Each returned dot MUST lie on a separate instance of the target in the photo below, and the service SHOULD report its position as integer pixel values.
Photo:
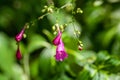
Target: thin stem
(31, 22)
(41, 17)
(65, 5)
(26, 65)
(75, 29)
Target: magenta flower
(18, 54)
(56, 40)
(19, 36)
(60, 52)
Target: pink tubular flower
(18, 54)
(19, 36)
(60, 52)
(56, 40)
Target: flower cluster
(60, 50)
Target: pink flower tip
(56, 40)
(18, 54)
(19, 36)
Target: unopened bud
(45, 7)
(50, 10)
(53, 28)
(27, 26)
(78, 32)
(18, 53)
(80, 48)
(55, 33)
(74, 33)
(24, 35)
(43, 10)
(79, 10)
(81, 45)
(61, 27)
(19, 36)
(57, 25)
(80, 42)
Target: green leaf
(6, 54)
(108, 36)
(36, 42)
(103, 56)
(3, 77)
(45, 62)
(85, 57)
(83, 75)
(100, 76)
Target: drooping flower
(60, 52)
(56, 40)
(18, 53)
(19, 36)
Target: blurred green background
(100, 33)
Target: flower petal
(60, 52)
(61, 55)
(56, 40)
(19, 36)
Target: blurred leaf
(85, 57)
(3, 77)
(94, 16)
(83, 75)
(34, 66)
(48, 34)
(6, 54)
(6, 16)
(100, 76)
(108, 36)
(18, 73)
(36, 42)
(114, 61)
(114, 77)
(44, 62)
(92, 69)
(103, 56)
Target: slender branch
(41, 17)
(65, 5)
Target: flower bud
(79, 10)
(56, 40)
(53, 28)
(19, 36)
(18, 54)
(50, 10)
(80, 48)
